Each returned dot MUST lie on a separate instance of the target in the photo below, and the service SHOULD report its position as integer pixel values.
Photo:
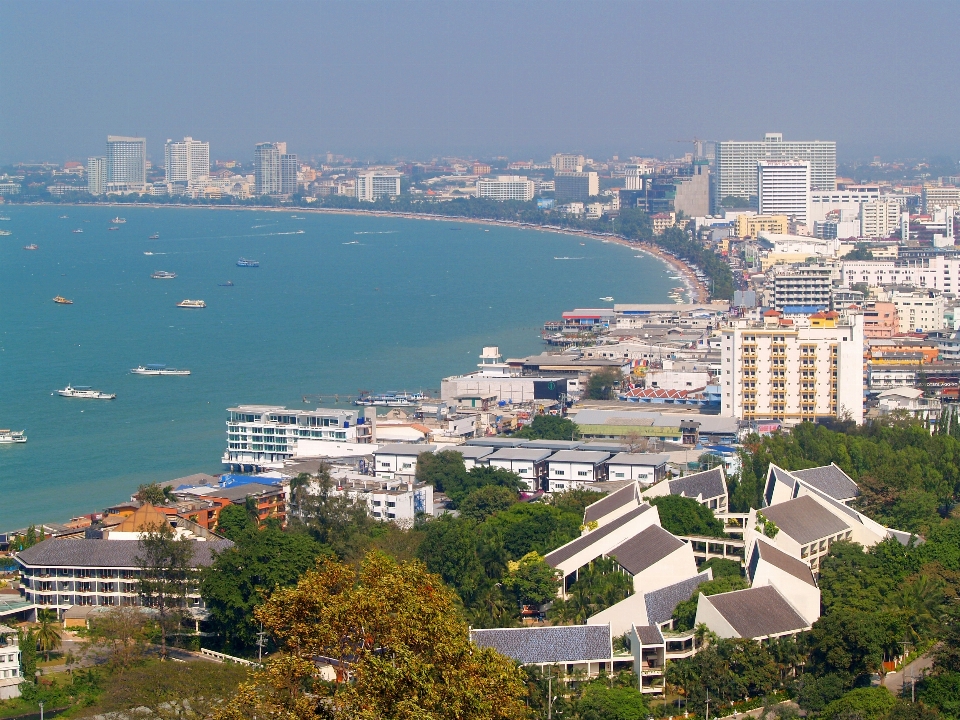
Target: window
(582, 473)
(619, 475)
(559, 472)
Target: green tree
(600, 702)
(333, 519)
(815, 692)
(549, 427)
(722, 568)
(449, 549)
(599, 585)
(685, 613)
(685, 516)
(154, 494)
(166, 576)
(123, 633)
(532, 526)
(233, 521)
(868, 703)
(27, 640)
(486, 501)
(603, 384)
(531, 580)
(575, 501)
(48, 632)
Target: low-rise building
(645, 468)
(10, 677)
(529, 463)
(918, 310)
(709, 488)
(399, 460)
(583, 649)
(572, 469)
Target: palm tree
(48, 634)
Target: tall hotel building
(784, 188)
(506, 187)
(793, 371)
(288, 173)
(266, 169)
(736, 163)
(126, 163)
(96, 175)
(186, 161)
(374, 185)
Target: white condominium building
(566, 161)
(879, 219)
(186, 161)
(939, 272)
(96, 175)
(266, 168)
(784, 188)
(940, 196)
(375, 185)
(847, 201)
(127, 162)
(736, 163)
(506, 187)
(793, 372)
(289, 166)
(918, 310)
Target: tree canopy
(549, 427)
(685, 516)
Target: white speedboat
(163, 275)
(85, 392)
(158, 370)
(191, 304)
(118, 220)
(12, 436)
(608, 298)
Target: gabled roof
(549, 645)
(405, 449)
(603, 507)
(707, 484)
(661, 603)
(106, 553)
(649, 634)
(641, 459)
(804, 519)
(779, 559)
(527, 454)
(831, 480)
(777, 475)
(591, 457)
(553, 444)
(645, 549)
(472, 452)
(567, 551)
(758, 612)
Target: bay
(339, 303)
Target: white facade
(567, 161)
(506, 187)
(289, 166)
(736, 163)
(572, 469)
(375, 185)
(10, 677)
(783, 188)
(399, 461)
(645, 468)
(793, 373)
(879, 219)
(846, 201)
(266, 168)
(186, 161)
(127, 161)
(575, 186)
(919, 310)
(96, 175)
(940, 272)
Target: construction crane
(697, 145)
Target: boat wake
(352, 242)
(568, 258)
(375, 232)
(290, 232)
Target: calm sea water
(339, 303)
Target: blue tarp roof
(235, 480)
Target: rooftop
(661, 603)
(830, 480)
(804, 519)
(105, 553)
(603, 507)
(758, 612)
(706, 484)
(405, 449)
(573, 547)
(593, 457)
(528, 454)
(645, 549)
(779, 559)
(643, 459)
(549, 645)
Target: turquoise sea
(339, 303)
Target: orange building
(880, 320)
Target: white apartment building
(736, 163)
(919, 310)
(633, 176)
(127, 162)
(803, 286)
(565, 161)
(375, 185)
(939, 272)
(940, 196)
(10, 678)
(260, 436)
(879, 219)
(96, 175)
(289, 166)
(783, 188)
(266, 168)
(506, 187)
(847, 201)
(792, 373)
(186, 161)
(575, 186)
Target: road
(895, 681)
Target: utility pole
(708, 704)
(261, 641)
(550, 695)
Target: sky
(386, 80)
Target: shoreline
(696, 291)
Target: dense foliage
(549, 427)
(448, 474)
(685, 613)
(598, 586)
(685, 516)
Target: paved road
(755, 713)
(896, 680)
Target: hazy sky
(522, 79)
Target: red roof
(660, 393)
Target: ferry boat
(31, 246)
(61, 300)
(391, 399)
(191, 304)
(243, 262)
(158, 370)
(163, 275)
(118, 220)
(85, 392)
(155, 236)
(12, 436)
(78, 230)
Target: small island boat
(155, 236)
(192, 304)
(31, 246)
(163, 275)
(158, 370)
(12, 436)
(78, 230)
(61, 300)
(64, 217)
(118, 220)
(4, 217)
(84, 392)
(608, 298)
(243, 262)
(5, 232)
(228, 283)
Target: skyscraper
(186, 161)
(127, 162)
(288, 173)
(374, 185)
(266, 169)
(784, 188)
(96, 175)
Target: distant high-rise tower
(784, 188)
(186, 161)
(266, 169)
(96, 175)
(288, 173)
(127, 162)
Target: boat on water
(113, 228)
(191, 304)
(5, 232)
(4, 217)
(118, 220)
(158, 370)
(31, 246)
(64, 217)
(78, 230)
(243, 262)
(390, 399)
(608, 298)
(155, 236)
(147, 252)
(12, 436)
(163, 275)
(85, 392)
(228, 283)
(61, 300)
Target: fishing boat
(12, 436)
(390, 399)
(78, 230)
(84, 392)
(61, 300)
(243, 262)
(228, 283)
(118, 220)
(31, 246)
(158, 370)
(608, 298)
(163, 275)
(197, 304)
(4, 217)
(155, 236)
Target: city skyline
(601, 79)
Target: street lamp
(41, 710)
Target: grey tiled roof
(661, 603)
(831, 480)
(758, 612)
(804, 519)
(555, 644)
(642, 459)
(593, 457)
(645, 549)
(707, 484)
(496, 442)
(624, 496)
(405, 449)
(552, 444)
(779, 559)
(472, 452)
(649, 635)
(777, 475)
(105, 553)
(584, 541)
(528, 454)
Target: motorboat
(12, 436)
(78, 230)
(192, 304)
(158, 370)
(155, 236)
(228, 283)
(118, 220)
(113, 228)
(147, 252)
(243, 262)
(608, 298)
(163, 275)
(61, 300)
(85, 392)
(31, 246)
